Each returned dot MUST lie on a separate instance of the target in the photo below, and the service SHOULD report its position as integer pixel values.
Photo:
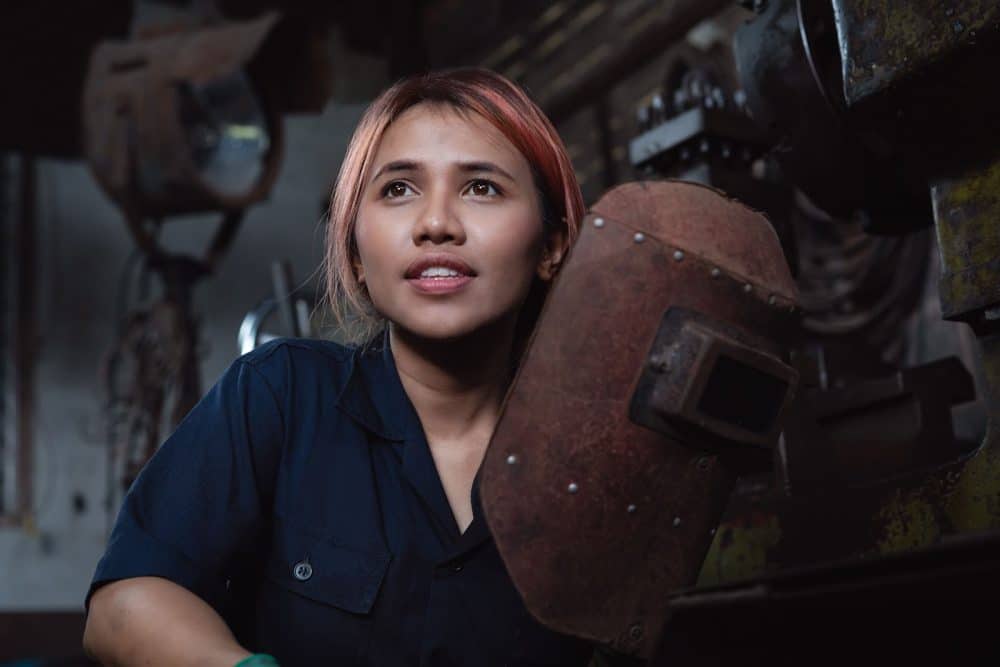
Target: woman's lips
(439, 273)
(444, 285)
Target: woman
(320, 503)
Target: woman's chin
(445, 330)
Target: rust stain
(883, 42)
(966, 209)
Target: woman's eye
(396, 189)
(483, 189)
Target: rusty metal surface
(700, 220)
(597, 518)
(967, 208)
(884, 42)
(131, 123)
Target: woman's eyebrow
(468, 167)
(397, 165)
(488, 167)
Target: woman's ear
(359, 270)
(556, 245)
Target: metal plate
(884, 42)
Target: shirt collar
(374, 396)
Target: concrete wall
(48, 563)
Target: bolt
(639, 237)
(659, 363)
(511, 460)
(772, 300)
(685, 154)
(677, 521)
(740, 97)
(632, 509)
(704, 463)
(726, 152)
(678, 255)
(572, 488)
(680, 99)
(748, 288)
(712, 532)
(704, 146)
(716, 273)
(642, 116)
(635, 632)
(598, 222)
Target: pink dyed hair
(473, 90)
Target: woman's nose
(438, 223)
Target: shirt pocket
(321, 598)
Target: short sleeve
(202, 501)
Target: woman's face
(449, 231)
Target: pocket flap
(337, 575)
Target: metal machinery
(870, 531)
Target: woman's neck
(456, 386)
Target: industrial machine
(869, 529)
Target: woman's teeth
(439, 272)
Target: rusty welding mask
(660, 351)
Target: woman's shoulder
(290, 349)
(285, 363)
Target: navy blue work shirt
(300, 499)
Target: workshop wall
(48, 558)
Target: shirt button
(302, 571)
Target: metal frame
(21, 384)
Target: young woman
(320, 504)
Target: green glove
(258, 660)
